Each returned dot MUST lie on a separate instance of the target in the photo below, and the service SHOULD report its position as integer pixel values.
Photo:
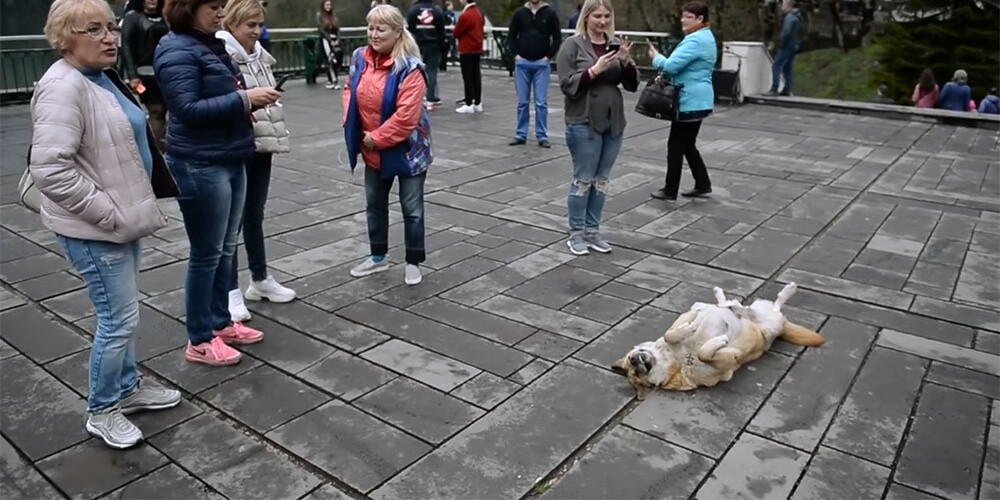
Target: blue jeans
(593, 156)
(411, 200)
(783, 64)
(258, 169)
(111, 272)
(530, 75)
(211, 201)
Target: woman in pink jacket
(925, 94)
(383, 106)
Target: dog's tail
(799, 335)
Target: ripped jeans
(593, 156)
(111, 272)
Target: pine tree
(943, 35)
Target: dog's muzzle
(641, 361)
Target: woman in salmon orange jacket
(385, 121)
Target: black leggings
(680, 145)
(472, 76)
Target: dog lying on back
(709, 342)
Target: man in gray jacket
(791, 32)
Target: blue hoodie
(791, 30)
(691, 64)
(990, 105)
(955, 96)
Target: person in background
(575, 18)
(691, 65)
(784, 62)
(469, 31)
(991, 103)
(882, 96)
(241, 29)
(382, 110)
(451, 17)
(329, 33)
(534, 36)
(98, 172)
(925, 93)
(142, 29)
(589, 76)
(956, 95)
(265, 37)
(426, 23)
(209, 138)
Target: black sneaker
(661, 194)
(517, 142)
(544, 143)
(695, 193)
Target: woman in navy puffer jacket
(209, 138)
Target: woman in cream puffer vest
(242, 27)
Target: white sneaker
(237, 309)
(465, 109)
(269, 289)
(478, 108)
(429, 105)
(114, 429)
(413, 275)
(369, 266)
(333, 86)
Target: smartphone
(614, 46)
(281, 81)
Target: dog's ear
(621, 366)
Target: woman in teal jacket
(691, 65)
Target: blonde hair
(405, 45)
(63, 13)
(238, 11)
(588, 8)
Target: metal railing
(25, 58)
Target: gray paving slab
(502, 453)
(733, 283)
(761, 252)
(940, 351)
(264, 398)
(558, 287)
(91, 469)
(900, 492)
(465, 347)
(169, 482)
(350, 445)
(327, 492)
(473, 320)
(20, 479)
(871, 422)
(799, 410)
(754, 468)
(321, 325)
(708, 419)
(531, 371)
(833, 474)
(630, 464)
(962, 379)
(560, 322)
(39, 337)
(486, 390)
(418, 409)
(428, 367)
(195, 378)
(935, 458)
(40, 416)
(346, 376)
(231, 462)
(286, 348)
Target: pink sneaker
(236, 333)
(214, 353)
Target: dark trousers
(411, 201)
(431, 55)
(258, 181)
(680, 145)
(472, 77)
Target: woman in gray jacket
(592, 64)
(241, 30)
(95, 163)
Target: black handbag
(659, 99)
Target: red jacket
(469, 30)
(409, 104)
